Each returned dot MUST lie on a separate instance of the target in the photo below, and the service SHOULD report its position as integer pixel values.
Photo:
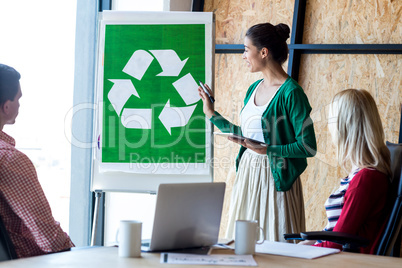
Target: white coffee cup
(246, 236)
(130, 239)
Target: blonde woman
(359, 206)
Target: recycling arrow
(169, 61)
(136, 67)
(137, 118)
(183, 85)
(175, 116)
(138, 64)
(121, 91)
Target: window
(38, 39)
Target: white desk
(102, 257)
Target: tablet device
(241, 138)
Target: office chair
(390, 240)
(7, 251)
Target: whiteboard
(108, 172)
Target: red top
(24, 208)
(365, 209)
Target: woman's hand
(250, 145)
(208, 107)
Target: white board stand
(121, 180)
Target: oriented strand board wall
(234, 17)
(353, 22)
(321, 76)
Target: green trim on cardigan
(287, 129)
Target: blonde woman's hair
(360, 135)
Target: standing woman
(276, 111)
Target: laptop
(187, 215)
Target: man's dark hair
(9, 83)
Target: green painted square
(123, 145)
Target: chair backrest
(394, 223)
(7, 251)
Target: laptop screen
(187, 215)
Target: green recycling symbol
(136, 67)
(151, 107)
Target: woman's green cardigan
(287, 129)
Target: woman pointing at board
(276, 111)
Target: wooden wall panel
(353, 22)
(322, 76)
(234, 17)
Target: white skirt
(254, 197)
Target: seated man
(24, 208)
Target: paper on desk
(294, 250)
(214, 259)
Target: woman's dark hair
(9, 83)
(271, 37)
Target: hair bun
(283, 31)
